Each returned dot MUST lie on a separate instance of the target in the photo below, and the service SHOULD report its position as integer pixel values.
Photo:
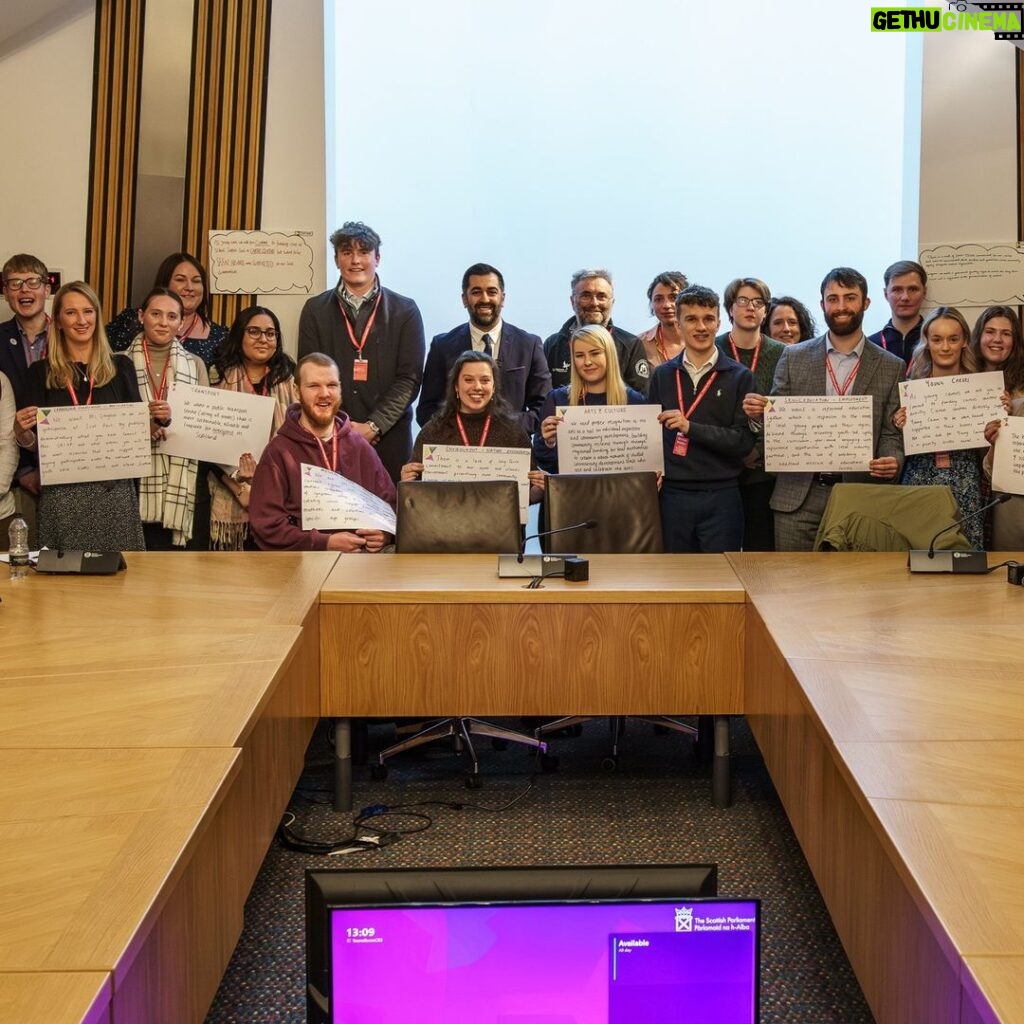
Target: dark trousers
(758, 518)
(701, 521)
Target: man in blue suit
(525, 378)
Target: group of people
(348, 403)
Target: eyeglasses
(17, 283)
(257, 332)
(742, 301)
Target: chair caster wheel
(549, 762)
(498, 744)
(610, 764)
(378, 772)
(474, 782)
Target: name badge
(361, 370)
(681, 446)
(942, 460)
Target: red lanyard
(333, 464)
(659, 344)
(736, 354)
(186, 332)
(483, 436)
(846, 383)
(881, 335)
(361, 343)
(687, 413)
(158, 390)
(74, 397)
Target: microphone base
(958, 562)
(510, 567)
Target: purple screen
(619, 963)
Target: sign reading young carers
(818, 434)
(215, 425)
(86, 443)
(948, 414)
(609, 439)
(455, 462)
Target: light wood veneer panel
(71, 998)
(993, 989)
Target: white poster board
(261, 263)
(948, 414)
(331, 501)
(83, 443)
(215, 425)
(974, 274)
(1008, 457)
(818, 434)
(456, 462)
(609, 439)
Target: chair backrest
(890, 517)
(458, 518)
(625, 506)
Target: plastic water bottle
(17, 535)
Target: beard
(844, 328)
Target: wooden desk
(67, 998)
(439, 635)
(890, 712)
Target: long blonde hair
(921, 363)
(58, 365)
(615, 386)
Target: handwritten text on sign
(331, 501)
(453, 462)
(260, 263)
(818, 434)
(1008, 457)
(216, 425)
(79, 444)
(948, 414)
(609, 439)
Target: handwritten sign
(331, 501)
(216, 425)
(818, 434)
(260, 263)
(975, 274)
(79, 444)
(948, 414)
(455, 462)
(609, 439)
(1008, 457)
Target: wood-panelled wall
(117, 90)
(223, 179)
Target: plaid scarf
(168, 495)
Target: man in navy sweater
(705, 432)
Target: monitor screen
(555, 963)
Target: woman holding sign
(944, 351)
(473, 414)
(80, 370)
(594, 379)
(250, 360)
(167, 496)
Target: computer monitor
(530, 946)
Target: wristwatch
(373, 426)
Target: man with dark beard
(524, 376)
(840, 362)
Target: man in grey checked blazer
(858, 368)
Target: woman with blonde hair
(80, 370)
(594, 379)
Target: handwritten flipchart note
(609, 439)
(215, 425)
(818, 434)
(947, 414)
(974, 273)
(84, 443)
(261, 263)
(1008, 457)
(455, 462)
(331, 501)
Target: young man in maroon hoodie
(314, 432)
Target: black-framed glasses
(258, 332)
(31, 283)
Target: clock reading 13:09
(360, 933)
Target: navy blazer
(12, 360)
(525, 378)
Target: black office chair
(458, 518)
(626, 508)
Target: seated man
(314, 432)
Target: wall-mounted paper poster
(818, 434)
(947, 414)
(331, 501)
(974, 274)
(215, 425)
(609, 439)
(261, 262)
(454, 462)
(83, 443)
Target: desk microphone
(523, 566)
(587, 525)
(953, 561)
